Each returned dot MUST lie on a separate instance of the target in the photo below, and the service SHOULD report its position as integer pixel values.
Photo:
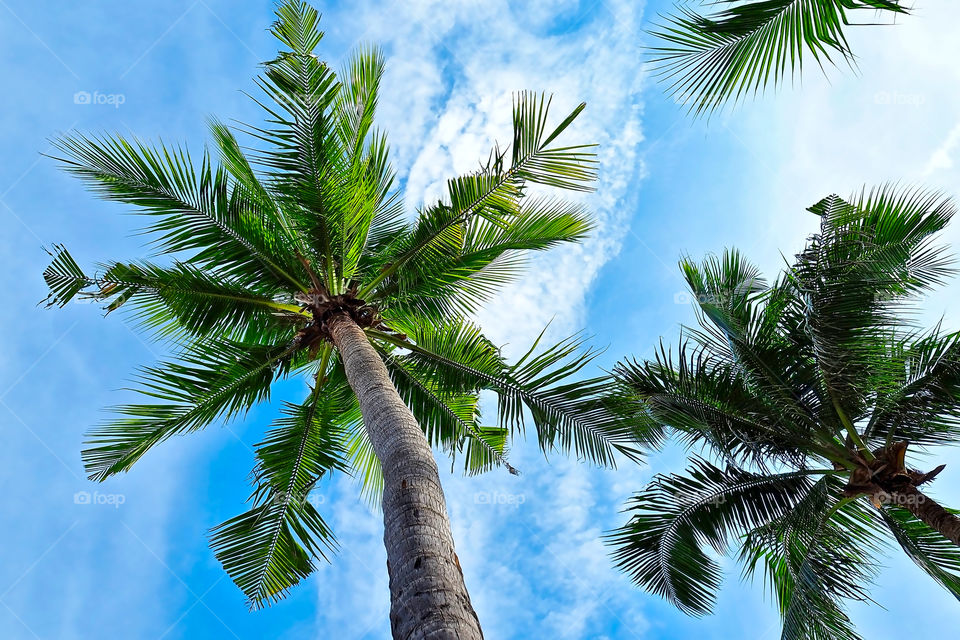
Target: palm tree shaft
(425, 574)
(930, 512)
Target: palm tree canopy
(747, 47)
(262, 243)
(805, 394)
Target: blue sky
(529, 545)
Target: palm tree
(294, 258)
(808, 394)
(748, 46)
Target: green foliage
(796, 385)
(211, 380)
(305, 208)
(748, 46)
(271, 547)
(812, 557)
(938, 557)
(660, 547)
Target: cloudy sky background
(529, 545)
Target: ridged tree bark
(930, 512)
(428, 596)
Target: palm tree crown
(809, 392)
(265, 244)
(748, 46)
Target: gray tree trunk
(428, 597)
(930, 512)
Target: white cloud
(942, 158)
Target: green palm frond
(920, 402)
(870, 256)
(177, 299)
(302, 158)
(661, 548)
(450, 420)
(487, 447)
(212, 380)
(197, 210)
(740, 321)
(933, 553)
(747, 47)
(572, 417)
(459, 276)
(271, 547)
(363, 461)
(815, 557)
(495, 192)
(712, 403)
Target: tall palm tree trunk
(929, 511)
(428, 597)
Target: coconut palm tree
(748, 46)
(810, 396)
(294, 257)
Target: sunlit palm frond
(213, 380)
(747, 47)
(459, 275)
(271, 547)
(197, 210)
(180, 299)
(495, 192)
(574, 417)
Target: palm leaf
(814, 557)
(197, 210)
(748, 46)
(181, 299)
(212, 380)
(449, 419)
(661, 547)
(919, 402)
(568, 416)
(271, 547)
(462, 274)
(868, 257)
(933, 553)
(494, 192)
